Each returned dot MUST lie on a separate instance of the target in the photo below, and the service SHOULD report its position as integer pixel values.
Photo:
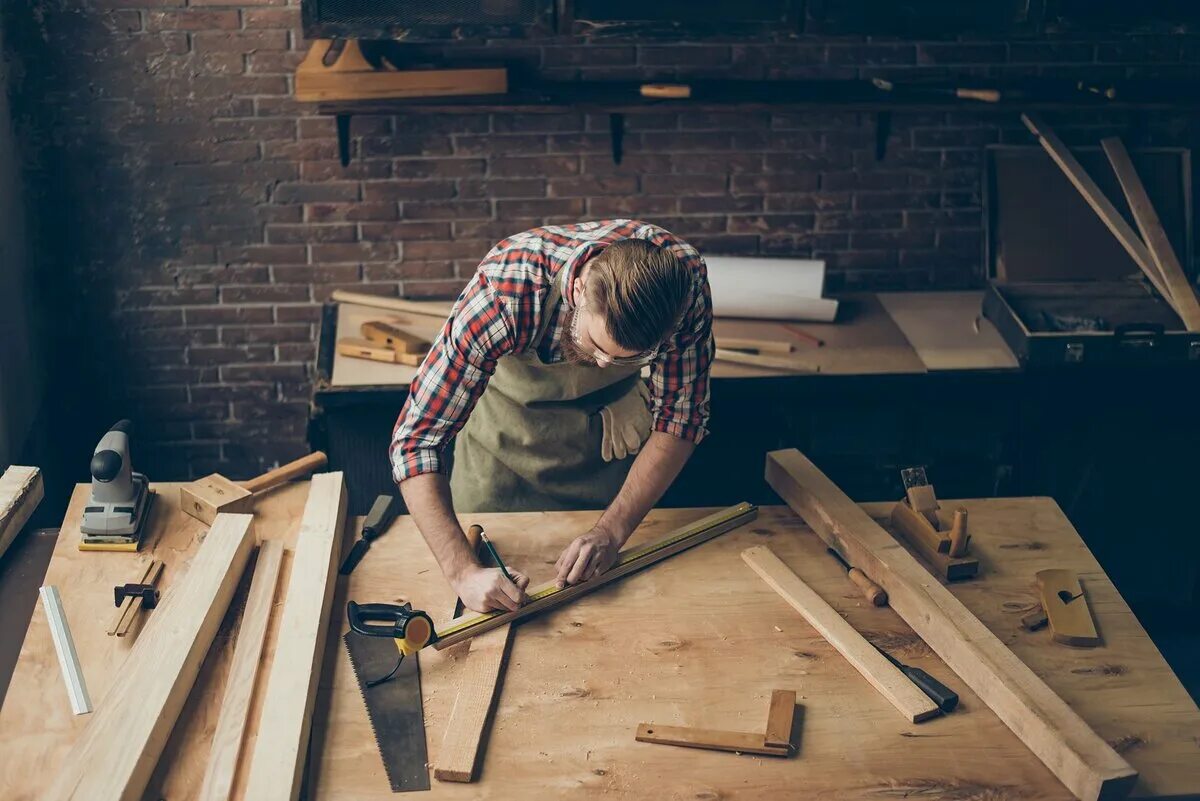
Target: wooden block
(916, 530)
(20, 493)
(1066, 607)
(735, 741)
(1182, 296)
(235, 704)
(207, 497)
(922, 499)
(885, 677)
(399, 340)
(548, 597)
(365, 349)
(113, 758)
(780, 717)
(1082, 761)
(277, 763)
(411, 359)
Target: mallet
(205, 497)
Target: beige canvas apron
(532, 442)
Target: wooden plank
(1182, 294)
(1081, 760)
(1096, 198)
(709, 739)
(277, 763)
(20, 493)
(548, 596)
(114, 757)
(780, 717)
(64, 646)
(235, 704)
(1065, 605)
(887, 680)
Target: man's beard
(571, 350)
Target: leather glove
(626, 423)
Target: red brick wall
(191, 217)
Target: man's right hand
(485, 589)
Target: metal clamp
(146, 592)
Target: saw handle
(376, 620)
(285, 473)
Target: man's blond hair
(641, 290)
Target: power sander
(115, 516)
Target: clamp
(147, 592)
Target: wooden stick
(235, 704)
(885, 677)
(281, 745)
(709, 739)
(479, 678)
(1082, 761)
(64, 646)
(800, 332)
(113, 758)
(20, 493)
(285, 473)
(770, 362)
(1182, 295)
(548, 596)
(1096, 198)
(429, 308)
(760, 345)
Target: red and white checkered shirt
(499, 312)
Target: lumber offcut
(885, 677)
(115, 755)
(235, 705)
(20, 493)
(277, 763)
(1081, 760)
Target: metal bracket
(146, 592)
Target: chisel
(383, 511)
(939, 693)
(875, 594)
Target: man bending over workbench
(536, 377)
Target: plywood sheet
(948, 331)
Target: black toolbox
(1062, 289)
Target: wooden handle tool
(280, 475)
(874, 594)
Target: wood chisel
(939, 693)
(875, 594)
(381, 515)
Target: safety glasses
(639, 360)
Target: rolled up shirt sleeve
(450, 380)
(679, 377)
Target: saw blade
(394, 708)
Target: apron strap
(552, 299)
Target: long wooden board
(549, 596)
(1081, 760)
(709, 739)
(1096, 198)
(235, 705)
(885, 677)
(277, 763)
(114, 757)
(1182, 296)
(20, 493)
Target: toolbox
(1062, 290)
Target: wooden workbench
(698, 640)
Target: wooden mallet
(204, 498)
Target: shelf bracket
(616, 129)
(343, 138)
(883, 132)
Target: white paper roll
(772, 289)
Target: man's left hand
(586, 557)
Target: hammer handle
(302, 466)
(875, 594)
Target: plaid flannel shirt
(499, 312)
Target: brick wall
(190, 217)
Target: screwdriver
(939, 693)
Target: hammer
(204, 498)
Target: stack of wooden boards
(115, 755)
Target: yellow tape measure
(699, 527)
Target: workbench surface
(698, 640)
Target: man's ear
(578, 291)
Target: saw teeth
(362, 691)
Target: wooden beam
(277, 764)
(113, 758)
(1096, 198)
(1080, 759)
(481, 669)
(239, 685)
(548, 596)
(1183, 295)
(885, 677)
(20, 493)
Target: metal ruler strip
(64, 645)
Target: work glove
(626, 423)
